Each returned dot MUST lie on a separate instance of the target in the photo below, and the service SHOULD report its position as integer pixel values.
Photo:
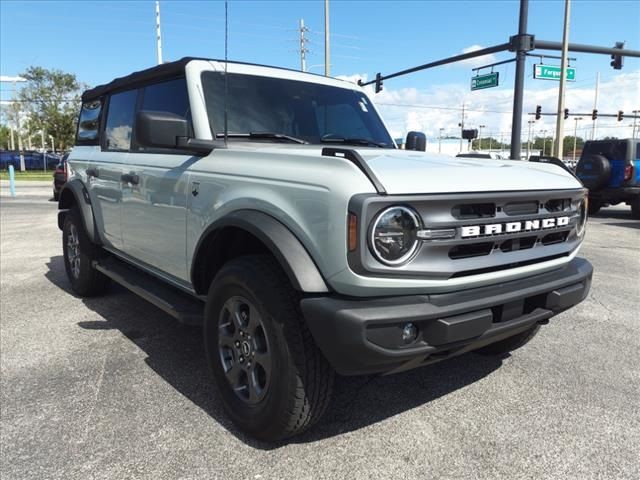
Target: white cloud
(477, 61)
(438, 107)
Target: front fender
(281, 242)
(74, 193)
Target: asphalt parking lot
(112, 387)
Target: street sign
(484, 81)
(552, 72)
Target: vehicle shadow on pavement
(176, 353)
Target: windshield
(310, 112)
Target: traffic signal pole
(518, 92)
(563, 81)
(521, 44)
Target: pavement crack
(97, 387)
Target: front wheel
(594, 206)
(273, 380)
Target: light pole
(480, 127)
(53, 143)
(635, 118)
(544, 141)
(530, 122)
(575, 132)
(440, 141)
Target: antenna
(226, 51)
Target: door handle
(131, 178)
(92, 172)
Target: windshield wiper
(276, 136)
(352, 141)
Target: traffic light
(566, 113)
(378, 83)
(620, 114)
(617, 60)
(538, 112)
(594, 114)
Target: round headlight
(394, 235)
(583, 209)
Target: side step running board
(187, 309)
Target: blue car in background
(32, 160)
(610, 169)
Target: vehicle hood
(409, 172)
(403, 172)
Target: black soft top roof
(165, 70)
(159, 72)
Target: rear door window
(119, 124)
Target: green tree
(5, 137)
(51, 99)
(567, 145)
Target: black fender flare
(281, 242)
(72, 193)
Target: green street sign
(552, 72)
(484, 81)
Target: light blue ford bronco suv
(273, 208)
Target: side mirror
(160, 129)
(416, 141)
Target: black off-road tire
(510, 344)
(301, 379)
(79, 253)
(594, 206)
(635, 208)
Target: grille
(482, 253)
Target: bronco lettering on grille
(513, 227)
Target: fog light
(409, 333)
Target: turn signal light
(352, 232)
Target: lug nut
(237, 344)
(241, 359)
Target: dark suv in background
(60, 175)
(610, 169)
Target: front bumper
(360, 336)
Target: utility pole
(327, 62)
(563, 81)
(44, 150)
(303, 46)
(158, 34)
(595, 107)
(635, 118)
(461, 127)
(518, 93)
(440, 140)
(544, 141)
(575, 133)
(480, 136)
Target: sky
(100, 40)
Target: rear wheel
(509, 344)
(79, 254)
(273, 380)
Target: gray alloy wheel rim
(73, 251)
(244, 349)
